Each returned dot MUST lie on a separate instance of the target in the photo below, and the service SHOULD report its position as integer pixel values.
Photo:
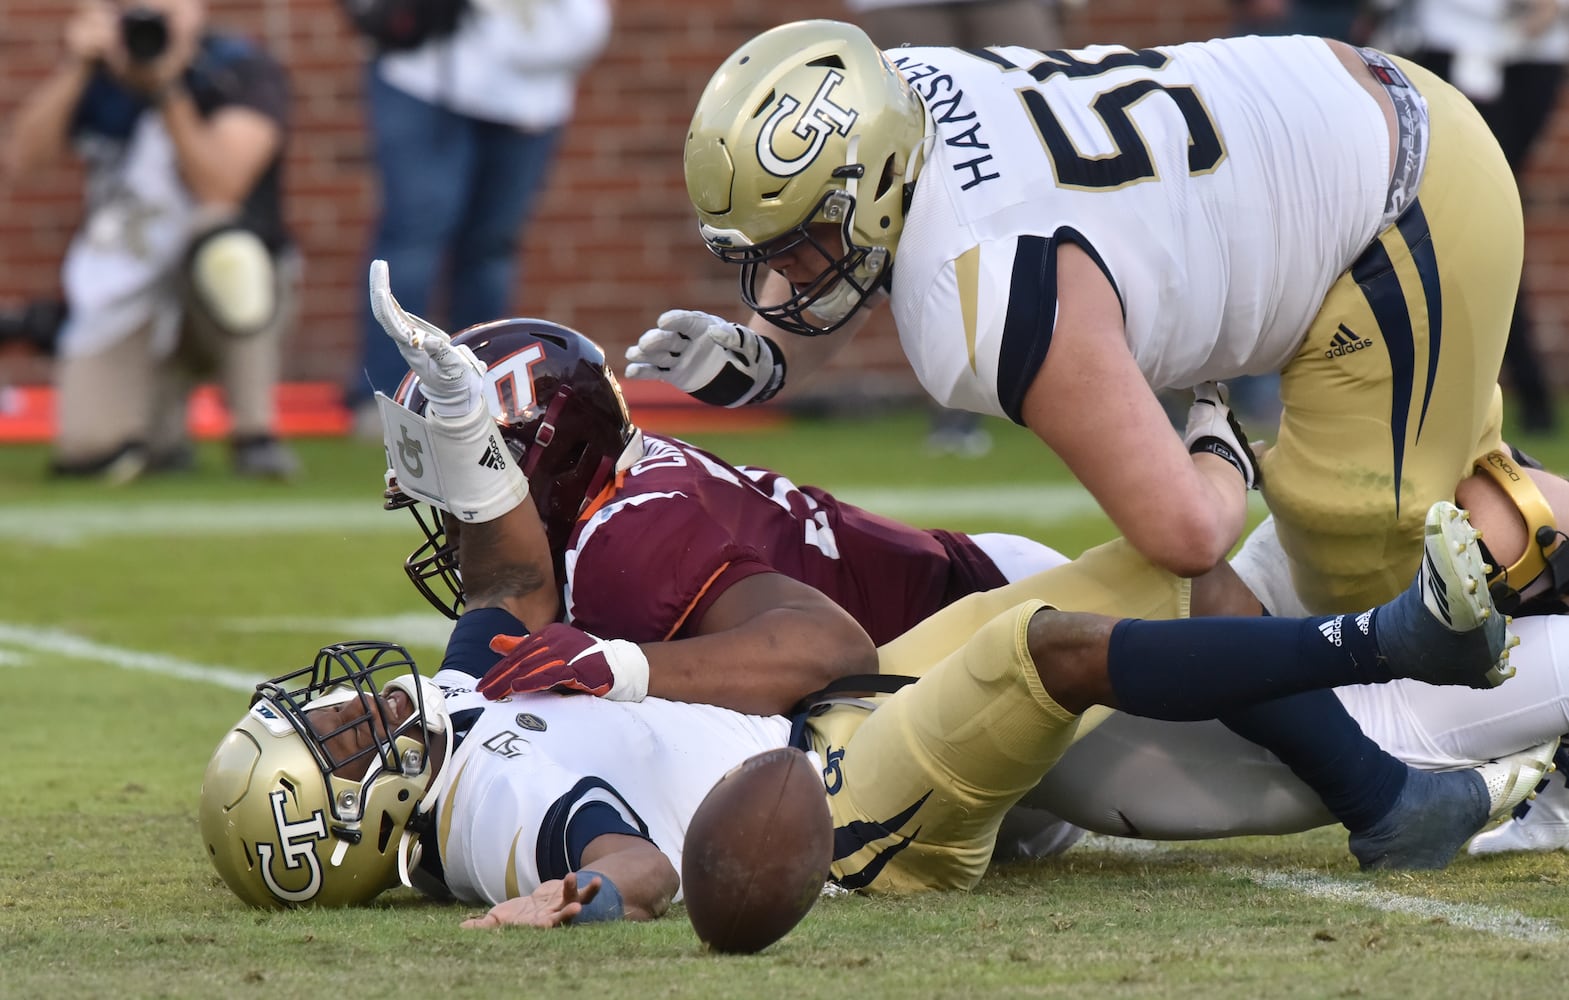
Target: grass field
(134, 621)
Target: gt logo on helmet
(821, 117)
(299, 848)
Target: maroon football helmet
(561, 413)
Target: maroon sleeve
(970, 570)
(648, 569)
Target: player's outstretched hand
(451, 377)
(719, 362)
(553, 904)
(562, 658)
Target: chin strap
(409, 846)
(436, 723)
(918, 155)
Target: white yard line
(1493, 920)
(1039, 506)
(22, 645)
(1497, 921)
(68, 524)
(416, 628)
(54, 642)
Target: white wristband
(629, 667)
(460, 464)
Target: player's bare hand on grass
(553, 904)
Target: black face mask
(1550, 601)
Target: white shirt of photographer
(515, 62)
(119, 269)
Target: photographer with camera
(182, 269)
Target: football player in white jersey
(506, 564)
(563, 808)
(554, 808)
(1060, 234)
(1157, 780)
(568, 809)
(559, 808)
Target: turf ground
(134, 621)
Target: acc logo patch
(532, 723)
(821, 118)
(298, 842)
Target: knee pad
(1546, 558)
(232, 280)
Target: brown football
(757, 852)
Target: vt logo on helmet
(804, 150)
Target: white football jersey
(1222, 186)
(527, 765)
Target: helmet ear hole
(389, 826)
(886, 181)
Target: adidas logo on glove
(492, 458)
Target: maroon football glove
(562, 658)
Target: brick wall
(613, 244)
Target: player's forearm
(40, 131)
(763, 667)
(506, 564)
(1227, 503)
(218, 167)
(1190, 524)
(644, 877)
(804, 355)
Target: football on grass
(757, 852)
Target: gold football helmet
(290, 821)
(806, 123)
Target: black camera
(36, 324)
(145, 33)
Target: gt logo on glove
(562, 658)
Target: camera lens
(145, 33)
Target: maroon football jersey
(681, 526)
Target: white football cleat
(1543, 823)
(1444, 629)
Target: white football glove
(719, 362)
(451, 377)
(452, 456)
(1213, 428)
